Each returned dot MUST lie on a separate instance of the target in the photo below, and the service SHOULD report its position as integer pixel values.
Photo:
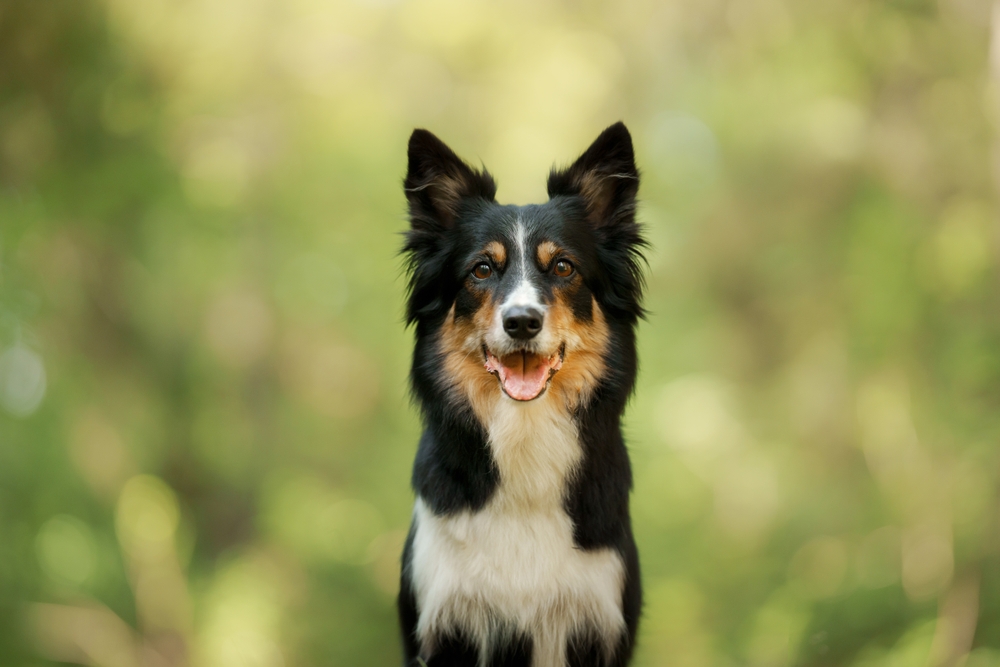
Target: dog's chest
(513, 565)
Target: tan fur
(461, 344)
(515, 558)
(586, 343)
(547, 250)
(596, 190)
(496, 252)
(448, 191)
(583, 365)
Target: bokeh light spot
(22, 381)
(66, 550)
(97, 450)
(695, 416)
(685, 151)
(239, 327)
(928, 562)
(147, 515)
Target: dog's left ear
(437, 181)
(605, 181)
(605, 177)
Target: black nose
(522, 322)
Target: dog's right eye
(482, 271)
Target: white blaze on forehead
(522, 250)
(525, 294)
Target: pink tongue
(523, 376)
(526, 380)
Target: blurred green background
(205, 434)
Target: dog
(520, 550)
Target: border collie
(521, 551)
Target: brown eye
(563, 268)
(482, 271)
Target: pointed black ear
(605, 181)
(605, 178)
(437, 180)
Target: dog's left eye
(482, 271)
(562, 268)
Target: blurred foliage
(205, 435)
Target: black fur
(453, 214)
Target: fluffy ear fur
(437, 185)
(437, 181)
(604, 181)
(604, 177)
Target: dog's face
(524, 304)
(517, 298)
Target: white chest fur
(512, 566)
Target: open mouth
(524, 375)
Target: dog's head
(522, 299)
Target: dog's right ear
(437, 181)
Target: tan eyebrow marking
(496, 252)
(547, 250)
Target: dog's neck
(535, 446)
